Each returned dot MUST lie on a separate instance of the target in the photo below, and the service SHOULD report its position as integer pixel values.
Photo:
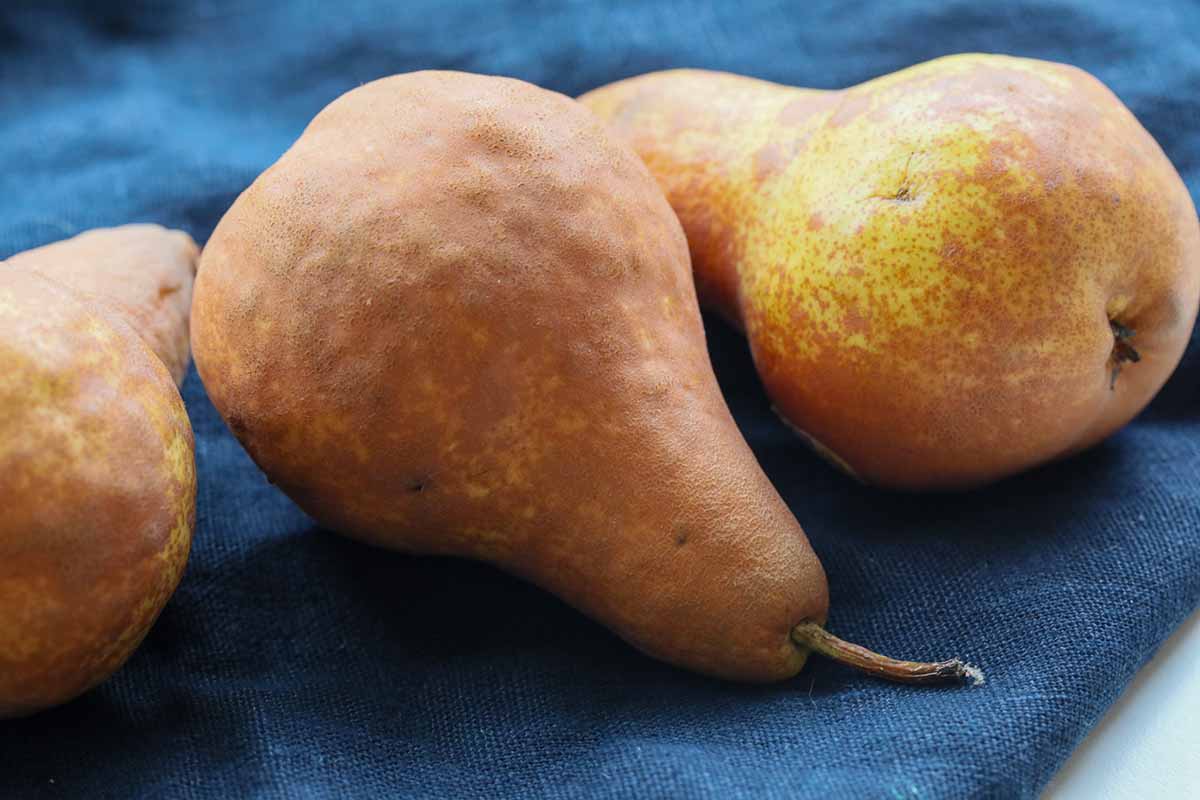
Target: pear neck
(139, 274)
(729, 139)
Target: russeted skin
(144, 273)
(945, 273)
(456, 318)
(97, 476)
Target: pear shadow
(1179, 398)
(469, 613)
(734, 367)
(427, 626)
(141, 717)
(1047, 496)
(435, 608)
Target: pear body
(456, 318)
(97, 474)
(946, 275)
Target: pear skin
(946, 275)
(97, 475)
(456, 318)
(144, 273)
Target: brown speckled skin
(455, 318)
(97, 483)
(927, 265)
(142, 272)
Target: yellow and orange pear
(946, 275)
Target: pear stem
(1122, 350)
(819, 640)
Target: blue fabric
(293, 663)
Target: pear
(946, 275)
(456, 318)
(97, 475)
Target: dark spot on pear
(236, 425)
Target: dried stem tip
(819, 640)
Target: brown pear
(946, 275)
(456, 318)
(97, 475)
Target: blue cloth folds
(293, 663)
